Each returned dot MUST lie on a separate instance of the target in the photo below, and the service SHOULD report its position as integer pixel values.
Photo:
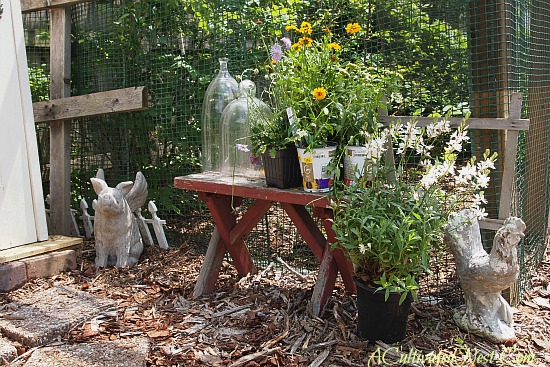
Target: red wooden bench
(222, 193)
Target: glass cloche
(236, 156)
(220, 92)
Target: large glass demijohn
(220, 92)
(236, 118)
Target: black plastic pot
(282, 171)
(379, 319)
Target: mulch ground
(264, 319)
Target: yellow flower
(353, 28)
(319, 93)
(296, 47)
(308, 160)
(292, 28)
(334, 46)
(306, 41)
(305, 28)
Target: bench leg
(210, 270)
(325, 283)
(225, 219)
(344, 264)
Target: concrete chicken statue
(118, 241)
(483, 276)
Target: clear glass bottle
(236, 117)
(220, 92)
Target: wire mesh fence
(456, 57)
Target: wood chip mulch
(264, 319)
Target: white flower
(465, 175)
(449, 168)
(362, 248)
(425, 163)
(455, 142)
(438, 128)
(482, 180)
(486, 164)
(479, 212)
(429, 178)
(375, 147)
(424, 150)
(436, 172)
(408, 135)
(479, 198)
(301, 133)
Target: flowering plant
(389, 223)
(324, 82)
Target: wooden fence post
(60, 131)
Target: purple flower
(276, 53)
(287, 42)
(242, 147)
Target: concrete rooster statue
(117, 238)
(483, 276)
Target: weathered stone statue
(117, 238)
(483, 276)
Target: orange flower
(296, 47)
(305, 28)
(334, 46)
(353, 28)
(319, 93)
(305, 41)
(327, 30)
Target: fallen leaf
(89, 334)
(354, 351)
(158, 333)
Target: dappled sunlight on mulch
(264, 319)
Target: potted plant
(308, 76)
(366, 91)
(389, 228)
(273, 139)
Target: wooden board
(55, 243)
(28, 6)
(113, 101)
(60, 131)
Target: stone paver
(7, 352)
(49, 314)
(130, 352)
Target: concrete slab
(7, 352)
(49, 314)
(12, 275)
(131, 352)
